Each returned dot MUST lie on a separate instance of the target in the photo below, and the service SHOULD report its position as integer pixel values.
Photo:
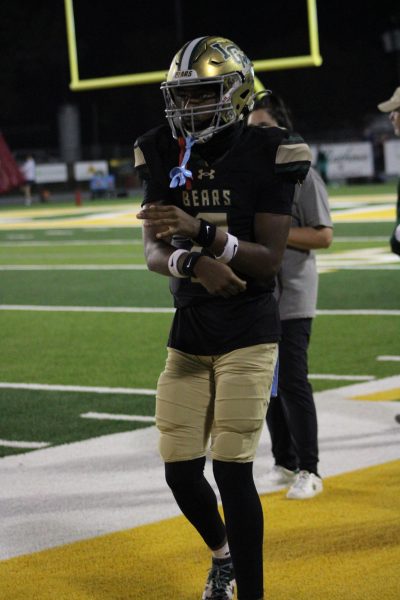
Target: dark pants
(291, 416)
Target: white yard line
(97, 309)
(350, 266)
(145, 391)
(77, 243)
(27, 445)
(77, 388)
(388, 358)
(360, 312)
(341, 377)
(73, 268)
(149, 309)
(113, 417)
(360, 238)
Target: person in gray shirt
(291, 416)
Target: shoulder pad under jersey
(153, 152)
(293, 157)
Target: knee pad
(239, 444)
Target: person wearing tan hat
(392, 106)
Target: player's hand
(169, 220)
(218, 278)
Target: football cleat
(220, 583)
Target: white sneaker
(306, 485)
(281, 476)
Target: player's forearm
(310, 238)
(262, 259)
(257, 261)
(157, 255)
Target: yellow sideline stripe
(385, 396)
(117, 221)
(362, 198)
(39, 211)
(342, 545)
(379, 214)
(124, 215)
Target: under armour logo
(202, 173)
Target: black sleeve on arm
(275, 196)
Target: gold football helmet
(209, 86)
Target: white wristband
(173, 263)
(230, 249)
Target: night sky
(337, 99)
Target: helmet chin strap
(179, 174)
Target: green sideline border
(292, 62)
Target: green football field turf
(82, 268)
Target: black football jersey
(239, 173)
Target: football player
(216, 215)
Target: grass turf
(54, 417)
(129, 349)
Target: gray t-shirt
(297, 284)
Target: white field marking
(388, 358)
(113, 417)
(33, 445)
(109, 215)
(150, 309)
(360, 312)
(58, 232)
(101, 309)
(97, 229)
(77, 388)
(142, 391)
(19, 236)
(362, 258)
(342, 377)
(360, 238)
(358, 253)
(73, 268)
(72, 243)
(378, 267)
(55, 211)
(13, 221)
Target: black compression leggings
(242, 510)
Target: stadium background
(83, 506)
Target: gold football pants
(224, 397)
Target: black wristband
(206, 235)
(189, 263)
